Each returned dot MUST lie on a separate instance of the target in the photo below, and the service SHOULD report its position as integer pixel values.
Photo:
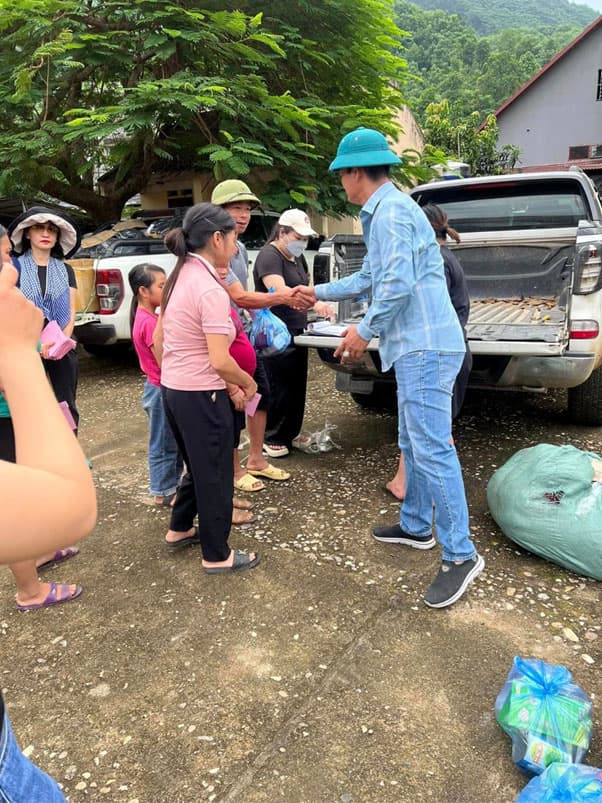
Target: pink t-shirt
(142, 336)
(198, 306)
(241, 349)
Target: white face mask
(296, 247)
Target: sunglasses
(51, 228)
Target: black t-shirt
(270, 262)
(43, 269)
(456, 285)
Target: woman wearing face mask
(280, 264)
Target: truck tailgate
(508, 326)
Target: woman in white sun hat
(280, 264)
(42, 239)
(32, 592)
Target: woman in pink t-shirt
(196, 368)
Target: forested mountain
(449, 59)
(488, 16)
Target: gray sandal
(190, 539)
(241, 561)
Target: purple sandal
(59, 556)
(53, 597)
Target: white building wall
(559, 110)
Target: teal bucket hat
(364, 147)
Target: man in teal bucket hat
(420, 338)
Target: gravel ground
(319, 676)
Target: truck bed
(525, 319)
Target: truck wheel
(585, 401)
(383, 397)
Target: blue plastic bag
(269, 334)
(564, 783)
(547, 716)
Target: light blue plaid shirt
(410, 309)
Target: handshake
(301, 297)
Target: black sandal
(188, 541)
(241, 561)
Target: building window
(179, 198)
(596, 152)
(578, 152)
(599, 89)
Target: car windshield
(509, 205)
(258, 230)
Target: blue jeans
(164, 460)
(20, 780)
(425, 381)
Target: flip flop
(248, 484)
(167, 501)
(276, 450)
(240, 517)
(302, 442)
(53, 598)
(242, 504)
(190, 539)
(271, 473)
(59, 556)
(241, 561)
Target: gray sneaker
(452, 581)
(395, 535)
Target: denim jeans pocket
(151, 396)
(449, 366)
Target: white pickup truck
(103, 325)
(531, 251)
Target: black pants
(263, 383)
(201, 421)
(62, 375)
(7, 440)
(288, 387)
(461, 384)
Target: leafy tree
(448, 59)
(488, 16)
(465, 139)
(125, 90)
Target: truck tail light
(588, 274)
(584, 330)
(109, 289)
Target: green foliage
(466, 140)
(448, 59)
(123, 89)
(488, 16)
(459, 78)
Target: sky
(596, 4)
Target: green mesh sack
(548, 499)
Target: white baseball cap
(297, 220)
